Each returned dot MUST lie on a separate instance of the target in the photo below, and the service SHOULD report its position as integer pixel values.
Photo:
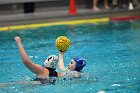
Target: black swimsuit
(52, 73)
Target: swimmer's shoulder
(70, 73)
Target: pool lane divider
(73, 22)
(125, 18)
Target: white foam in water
(101, 91)
(116, 85)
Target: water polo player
(74, 67)
(42, 72)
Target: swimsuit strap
(52, 72)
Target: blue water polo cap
(80, 63)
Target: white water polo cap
(51, 61)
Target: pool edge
(72, 22)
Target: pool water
(112, 52)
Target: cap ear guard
(84, 63)
(51, 61)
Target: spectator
(135, 2)
(115, 4)
(126, 3)
(95, 8)
(118, 4)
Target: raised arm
(35, 68)
(61, 61)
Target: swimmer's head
(77, 64)
(51, 61)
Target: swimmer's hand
(61, 52)
(17, 39)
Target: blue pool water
(112, 51)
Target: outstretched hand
(17, 39)
(61, 52)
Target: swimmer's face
(72, 65)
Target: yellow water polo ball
(62, 43)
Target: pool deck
(59, 15)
